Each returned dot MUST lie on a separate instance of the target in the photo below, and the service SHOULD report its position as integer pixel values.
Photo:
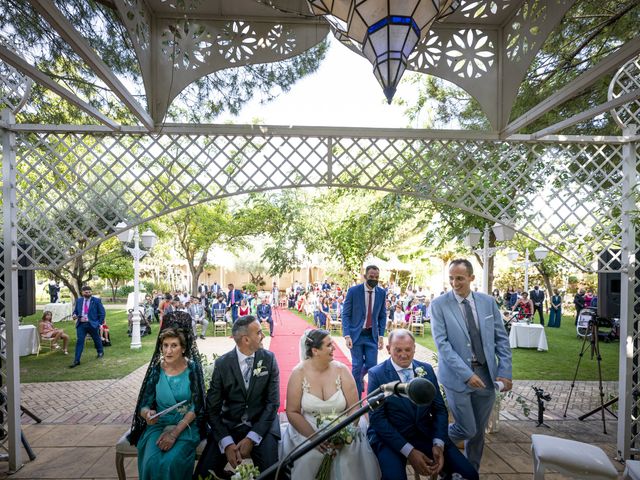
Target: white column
(485, 260)
(628, 321)
(135, 320)
(526, 270)
(12, 362)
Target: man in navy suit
(89, 314)
(474, 356)
(234, 298)
(264, 314)
(363, 323)
(400, 431)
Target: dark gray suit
(537, 297)
(233, 410)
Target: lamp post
(149, 240)
(540, 253)
(503, 233)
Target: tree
(197, 229)
(256, 270)
(115, 269)
(354, 227)
(99, 23)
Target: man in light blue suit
(363, 322)
(474, 357)
(402, 432)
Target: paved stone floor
(82, 421)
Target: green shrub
(125, 290)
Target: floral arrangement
(260, 370)
(337, 441)
(246, 471)
(420, 372)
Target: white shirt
(253, 436)
(366, 302)
(469, 298)
(406, 449)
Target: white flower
(420, 372)
(259, 368)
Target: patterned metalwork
(15, 87)
(75, 187)
(626, 80)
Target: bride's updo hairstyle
(313, 339)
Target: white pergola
(577, 192)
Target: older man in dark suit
(400, 431)
(242, 405)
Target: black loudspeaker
(609, 284)
(26, 285)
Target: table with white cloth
(60, 311)
(28, 340)
(525, 335)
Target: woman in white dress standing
(320, 385)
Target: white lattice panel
(77, 187)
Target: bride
(317, 386)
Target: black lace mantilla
(182, 322)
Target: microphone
(419, 390)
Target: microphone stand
(286, 464)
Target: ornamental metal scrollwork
(470, 53)
(427, 53)
(626, 80)
(523, 33)
(477, 9)
(237, 42)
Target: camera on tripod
(540, 395)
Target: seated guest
(399, 317)
(321, 386)
(244, 308)
(242, 405)
(47, 330)
(524, 306)
(218, 305)
(264, 314)
(400, 431)
(167, 444)
(196, 310)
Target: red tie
(368, 323)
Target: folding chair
(219, 322)
(335, 325)
(416, 324)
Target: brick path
(84, 419)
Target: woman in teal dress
(555, 312)
(167, 443)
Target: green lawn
(559, 362)
(119, 359)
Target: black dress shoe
(74, 364)
(202, 337)
(100, 355)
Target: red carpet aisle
(286, 347)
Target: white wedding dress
(355, 460)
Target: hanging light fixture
(386, 31)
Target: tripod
(592, 334)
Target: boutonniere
(420, 372)
(260, 370)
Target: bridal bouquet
(246, 471)
(337, 441)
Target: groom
(401, 432)
(242, 405)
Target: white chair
(570, 458)
(631, 470)
(416, 326)
(335, 325)
(219, 322)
